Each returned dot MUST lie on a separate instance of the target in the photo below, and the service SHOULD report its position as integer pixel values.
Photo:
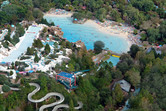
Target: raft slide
(116, 56)
(56, 104)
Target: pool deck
(98, 58)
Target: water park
(88, 34)
(113, 35)
(113, 28)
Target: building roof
(124, 85)
(65, 74)
(148, 50)
(158, 51)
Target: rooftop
(65, 74)
(124, 85)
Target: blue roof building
(69, 80)
(125, 86)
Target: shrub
(5, 88)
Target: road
(57, 104)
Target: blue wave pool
(88, 34)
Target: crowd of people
(125, 28)
(57, 11)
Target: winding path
(57, 104)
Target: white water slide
(56, 104)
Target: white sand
(107, 30)
(111, 31)
(61, 15)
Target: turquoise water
(114, 60)
(50, 43)
(88, 34)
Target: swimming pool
(27, 42)
(88, 34)
(114, 60)
(51, 43)
(3, 34)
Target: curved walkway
(48, 96)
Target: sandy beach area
(61, 15)
(110, 31)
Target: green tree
(144, 5)
(117, 94)
(11, 72)
(101, 14)
(30, 51)
(47, 49)
(2, 103)
(4, 18)
(13, 9)
(37, 43)
(98, 46)
(5, 88)
(162, 30)
(29, 107)
(115, 15)
(20, 30)
(37, 14)
(28, 4)
(133, 76)
(29, 16)
(36, 59)
(133, 50)
(134, 17)
(71, 67)
(153, 35)
(71, 105)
